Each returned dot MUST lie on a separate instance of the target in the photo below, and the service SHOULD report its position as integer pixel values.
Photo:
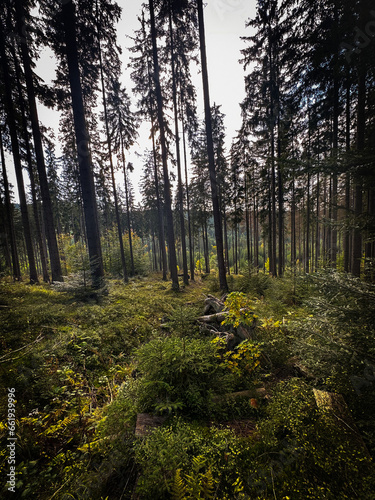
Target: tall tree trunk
(361, 125)
(256, 234)
(114, 192)
(247, 220)
(167, 189)
(163, 252)
(270, 226)
(273, 233)
(39, 154)
(293, 249)
(324, 239)
(4, 240)
(82, 142)
(225, 224)
(191, 242)
(317, 226)
(334, 199)
(210, 152)
(205, 247)
(39, 236)
(347, 176)
(127, 199)
(307, 245)
(9, 216)
(280, 214)
(159, 206)
(178, 156)
(155, 259)
(8, 103)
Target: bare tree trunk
(167, 189)
(347, 177)
(178, 156)
(317, 226)
(9, 217)
(191, 242)
(210, 152)
(361, 125)
(82, 141)
(17, 158)
(256, 234)
(127, 199)
(114, 192)
(39, 154)
(39, 236)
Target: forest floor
(288, 413)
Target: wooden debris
(213, 318)
(146, 423)
(212, 304)
(256, 392)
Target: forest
(210, 332)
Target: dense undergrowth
(84, 364)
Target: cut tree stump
(146, 423)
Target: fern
(178, 487)
(208, 485)
(195, 485)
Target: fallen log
(212, 303)
(213, 318)
(256, 392)
(146, 423)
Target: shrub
(184, 456)
(177, 373)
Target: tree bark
(347, 177)
(39, 154)
(82, 142)
(8, 211)
(167, 189)
(127, 199)
(117, 210)
(191, 242)
(361, 125)
(39, 236)
(178, 156)
(8, 103)
(210, 152)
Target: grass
(81, 362)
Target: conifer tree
(210, 152)
(8, 102)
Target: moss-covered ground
(84, 364)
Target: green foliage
(182, 320)
(196, 484)
(83, 366)
(304, 454)
(176, 373)
(187, 460)
(255, 283)
(242, 361)
(66, 355)
(112, 256)
(240, 310)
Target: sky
(224, 25)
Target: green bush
(305, 453)
(199, 456)
(177, 373)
